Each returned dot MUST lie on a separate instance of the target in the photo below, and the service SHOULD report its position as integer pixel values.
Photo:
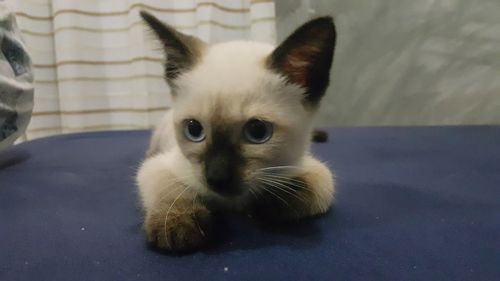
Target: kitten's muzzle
(221, 173)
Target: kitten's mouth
(234, 200)
(227, 190)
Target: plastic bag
(16, 80)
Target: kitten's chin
(219, 202)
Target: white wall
(407, 62)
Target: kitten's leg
(162, 140)
(308, 193)
(175, 220)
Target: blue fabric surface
(412, 204)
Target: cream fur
(223, 88)
(231, 79)
(229, 85)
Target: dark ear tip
(149, 18)
(327, 22)
(145, 15)
(324, 19)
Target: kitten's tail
(319, 136)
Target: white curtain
(97, 67)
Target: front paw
(269, 209)
(285, 200)
(183, 229)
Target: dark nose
(218, 178)
(220, 173)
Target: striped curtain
(97, 67)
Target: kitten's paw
(307, 194)
(274, 210)
(183, 230)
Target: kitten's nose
(218, 179)
(220, 174)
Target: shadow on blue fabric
(11, 157)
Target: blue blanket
(412, 204)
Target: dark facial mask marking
(223, 163)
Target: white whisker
(283, 177)
(253, 192)
(168, 211)
(272, 181)
(196, 219)
(288, 181)
(169, 192)
(280, 168)
(283, 188)
(170, 184)
(275, 195)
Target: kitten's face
(241, 108)
(233, 119)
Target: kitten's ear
(306, 56)
(182, 51)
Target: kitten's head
(241, 108)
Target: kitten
(238, 135)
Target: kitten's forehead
(229, 109)
(232, 80)
(234, 68)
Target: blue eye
(193, 130)
(257, 131)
